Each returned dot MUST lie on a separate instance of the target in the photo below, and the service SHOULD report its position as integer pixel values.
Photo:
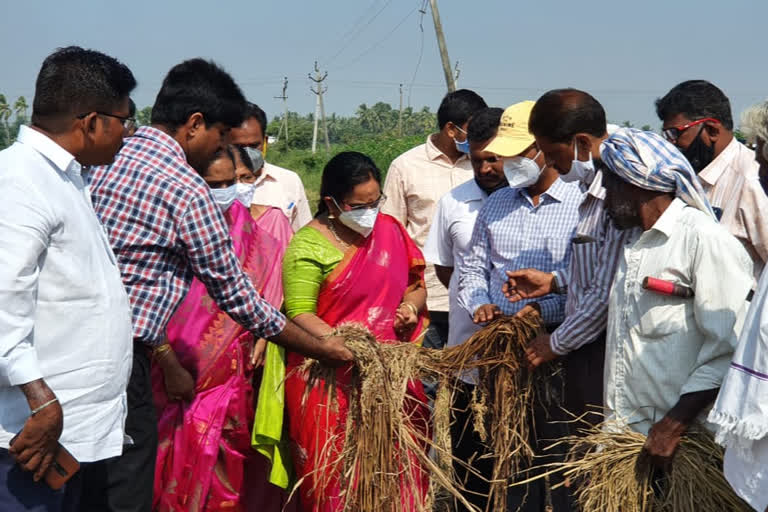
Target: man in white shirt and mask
(669, 342)
(273, 186)
(65, 325)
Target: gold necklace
(335, 234)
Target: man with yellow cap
(527, 224)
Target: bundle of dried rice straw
(381, 442)
(612, 475)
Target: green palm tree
(5, 114)
(20, 107)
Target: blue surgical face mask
(245, 193)
(463, 146)
(225, 197)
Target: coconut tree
(5, 114)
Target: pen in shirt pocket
(291, 205)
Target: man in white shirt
(274, 186)
(447, 242)
(65, 325)
(416, 181)
(667, 350)
(697, 119)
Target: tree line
(17, 110)
(377, 121)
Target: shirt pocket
(661, 315)
(558, 250)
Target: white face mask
(580, 171)
(361, 220)
(245, 193)
(225, 196)
(522, 172)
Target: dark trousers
(435, 337)
(468, 449)
(549, 427)
(584, 390)
(129, 479)
(20, 493)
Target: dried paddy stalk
(615, 477)
(384, 452)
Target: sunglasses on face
(672, 134)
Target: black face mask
(699, 155)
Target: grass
(382, 149)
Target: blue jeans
(435, 337)
(20, 493)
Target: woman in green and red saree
(350, 264)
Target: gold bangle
(411, 306)
(161, 350)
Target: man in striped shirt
(569, 126)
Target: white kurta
(660, 347)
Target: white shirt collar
(58, 156)
(468, 192)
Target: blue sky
(626, 53)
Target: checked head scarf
(646, 160)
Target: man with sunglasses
(697, 119)
(65, 325)
(416, 181)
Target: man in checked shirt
(165, 228)
(569, 126)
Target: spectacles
(127, 121)
(376, 204)
(673, 133)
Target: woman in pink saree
(350, 264)
(205, 444)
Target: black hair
(484, 124)
(458, 106)
(74, 81)
(197, 85)
(696, 99)
(562, 113)
(226, 151)
(131, 108)
(241, 153)
(343, 173)
(253, 111)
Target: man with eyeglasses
(65, 325)
(697, 119)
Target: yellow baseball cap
(513, 136)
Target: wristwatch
(558, 286)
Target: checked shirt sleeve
(211, 256)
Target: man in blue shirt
(530, 223)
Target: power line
(423, 11)
(357, 32)
(380, 42)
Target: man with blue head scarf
(679, 295)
